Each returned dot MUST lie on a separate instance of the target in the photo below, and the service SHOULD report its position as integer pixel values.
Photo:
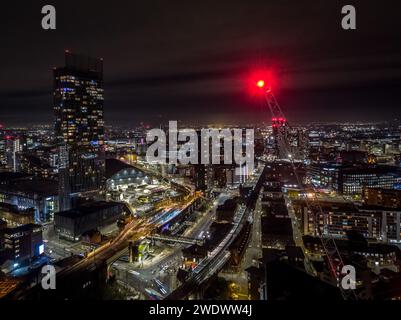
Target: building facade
(335, 219)
(351, 179)
(23, 243)
(71, 224)
(79, 126)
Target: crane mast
(279, 127)
(282, 136)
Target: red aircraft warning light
(261, 84)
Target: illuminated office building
(351, 179)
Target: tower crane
(280, 129)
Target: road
(254, 250)
(133, 230)
(297, 236)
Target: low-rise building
(226, 211)
(71, 224)
(338, 218)
(379, 197)
(23, 243)
(24, 193)
(351, 179)
(15, 217)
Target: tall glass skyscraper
(79, 124)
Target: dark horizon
(191, 62)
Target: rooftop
(114, 166)
(87, 209)
(23, 228)
(32, 186)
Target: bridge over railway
(176, 239)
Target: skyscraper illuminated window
(79, 124)
(78, 101)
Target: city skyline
(233, 153)
(162, 64)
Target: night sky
(190, 60)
